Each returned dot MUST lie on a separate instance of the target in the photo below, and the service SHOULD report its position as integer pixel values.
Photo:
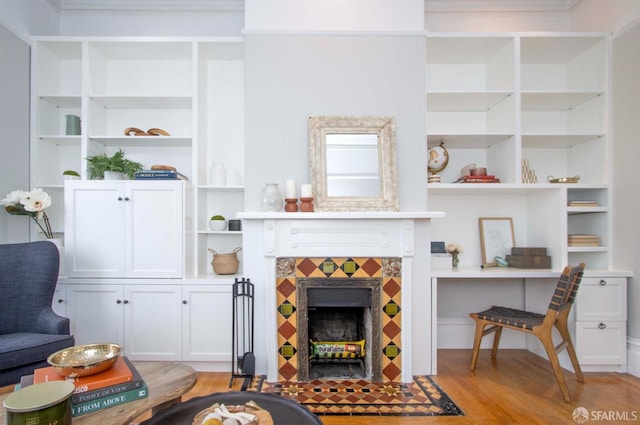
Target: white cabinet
(124, 229)
(206, 323)
(601, 323)
(501, 101)
(145, 319)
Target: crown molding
(149, 5)
(499, 5)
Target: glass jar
(272, 197)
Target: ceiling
(430, 5)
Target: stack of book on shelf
(582, 204)
(120, 384)
(160, 172)
(583, 240)
(480, 179)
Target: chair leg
(555, 365)
(496, 342)
(561, 325)
(476, 342)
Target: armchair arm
(49, 322)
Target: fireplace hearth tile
(421, 397)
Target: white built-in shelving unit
(192, 88)
(495, 100)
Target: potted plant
(217, 223)
(101, 164)
(70, 175)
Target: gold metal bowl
(84, 360)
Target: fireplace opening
(339, 329)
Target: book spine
(110, 401)
(106, 392)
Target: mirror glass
(353, 163)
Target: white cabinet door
(153, 322)
(602, 299)
(154, 229)
(124, 229)
(94, 229)
(601, 343)
(95, 312)
(207, 323)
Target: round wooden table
(167, 382)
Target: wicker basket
(225, 263)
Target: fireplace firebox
(338, 313)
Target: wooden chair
(540, 325)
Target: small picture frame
(496, 237)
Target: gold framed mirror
(352, 162)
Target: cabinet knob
(603, 282)
(60, 300)
(126, 301)
(126, 198)
(184, 301)
(119, 198)
(118, 301)
(601, 326)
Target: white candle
(291, 189)
(305, 191)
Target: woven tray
(262, 416)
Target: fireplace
(281, 250)
(344, 315)
(337, 299)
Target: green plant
(217, 217)
(100, 163)
(70, 173)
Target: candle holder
(291, 204)
(306, 204)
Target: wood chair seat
(540, 325)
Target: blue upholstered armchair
(29, 329)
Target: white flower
(37, 200)
(14, 197)
(454, 248)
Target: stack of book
(480, 179)
(160, 175)
(582, 204)
(583, 240)
(120, 384)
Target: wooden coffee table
(167, 382)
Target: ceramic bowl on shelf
(217, 225)
(84, 360)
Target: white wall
(496, 21)
(610, 16)
(14, 130)
(29, 17)
(289, 78)
(626, 152)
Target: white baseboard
(633, 356)
(459, 333)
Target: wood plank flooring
(519, 388)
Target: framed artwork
(496, 237)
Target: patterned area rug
(422, 397)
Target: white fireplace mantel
(269, 235)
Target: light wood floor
(519, 388)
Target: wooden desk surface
(167, 382)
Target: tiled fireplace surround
(283, 249)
